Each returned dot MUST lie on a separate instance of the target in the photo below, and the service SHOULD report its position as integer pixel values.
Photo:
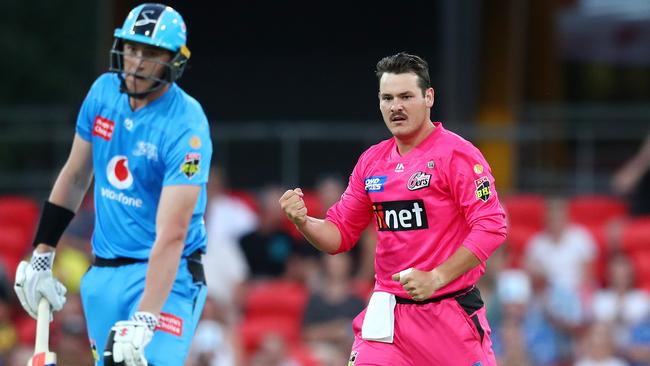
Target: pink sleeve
(352, 213)
(472, 188)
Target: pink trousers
(450, 332)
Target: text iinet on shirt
(400, 215)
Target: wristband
(54, 220)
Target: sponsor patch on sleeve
(375, 183)
(170, 323)
(190, 165)
(103, 127)
(483, 192)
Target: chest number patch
(483, 192)
(190, 166)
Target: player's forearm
(163, 266)
(70, 188)
(460, 262)
(322, 234)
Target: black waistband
(402, 300)
(124, 261)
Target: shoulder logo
(483, 192)
(431, 164)
(375, 183)
(190, 165)
(418, 180)
(478, 168)
(195, 142)
(399, 168)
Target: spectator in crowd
(8, 336)
(227, 220)
(69, 331)
(563, 252)
(269, 250)
(560, 260)
(331, 309)
(524, 334)
(215, 342)
(638, 348)
(272, 352)
(329, 190)
(598, 348)
(633, 180)
(620, 304)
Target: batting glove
(128, 338)
(34, 280)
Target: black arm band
(54, 220)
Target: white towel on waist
(378, 324)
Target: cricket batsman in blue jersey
(147, 144)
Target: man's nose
(396, 107)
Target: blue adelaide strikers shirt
(136, 154)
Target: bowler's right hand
(34, 280)
(293, 206)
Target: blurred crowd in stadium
(571, 285)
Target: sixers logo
(118, 172)
(418, 180)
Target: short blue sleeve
(187, 159)
(88, 110)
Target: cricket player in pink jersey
(432, 198)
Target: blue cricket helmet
(159, 26)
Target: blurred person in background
(272, 351)
(563, 252)
(147, 145)
(69, 331)
(270, 251)
(227, 220)
(637, 350)
(331, 308)
(633, 180)
(8, 334)
(438, 219)
(216, 342)
(329, 190)
(620, 304)
(523, 333)
(597, 348)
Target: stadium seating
(525, 210)
(636, 243)
(594, 210)
(18, 217)
(274, 306)
(636, 235)
(525, 214)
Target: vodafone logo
(118, 173)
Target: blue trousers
(111, 294)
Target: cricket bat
(42, 355)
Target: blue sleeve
(187, 157)
(88, 111)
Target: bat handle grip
(42, 326)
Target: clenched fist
(420, 285)
(293, 206)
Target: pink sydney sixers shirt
(425, 204)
